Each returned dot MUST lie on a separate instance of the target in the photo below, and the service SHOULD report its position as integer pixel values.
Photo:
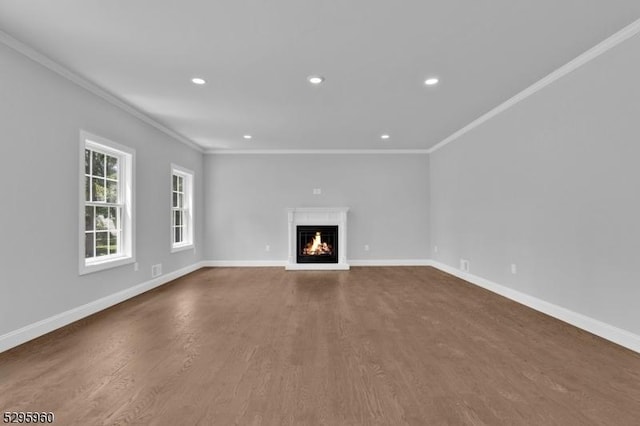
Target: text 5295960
(28, 417)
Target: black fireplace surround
(317, 244)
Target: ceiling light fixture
(315, 79)
(247, 137)
(385, 136)
(431, 81)
(199, 81)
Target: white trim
(243, 263)
(317, 267)
(315, 151)
(176, 249)
(599, 328)
(276, 263)
(127, 223)
(609, 43)
(317, 216)
(389, 262)
(47, 62)
(47, 325)
(189, 179)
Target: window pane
(177, 218)
(98, 189)
(113, 242)
(112, 167)
(114, 217)
(102, 217)
(98, 164)
(87, 162)
(88, 244)
(102, 248)
(175, 183)
(180, 179)
(87, 188)
(178, 235)
(180, 200)
(112, 191)
(175, 200)
(88, 218)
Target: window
(106, 204)
(181, 208)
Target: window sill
(88, 268)
(182, 247)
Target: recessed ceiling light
(315, 79)
(247, 136)
(431, 81)
(385, 136)
(198, 81)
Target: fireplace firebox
(317, 244)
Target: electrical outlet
(514, 269)
(267, 248)
(435, 249)
(317, 191)
(156, 270)
(366, 247)
(464, 265)
(136, 266)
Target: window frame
(188, 179)
(126, 185)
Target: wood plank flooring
(370, 346)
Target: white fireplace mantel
(318, 216)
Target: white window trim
(189, 178)
(128, 215)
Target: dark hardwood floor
(370, 346)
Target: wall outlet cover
(464, 265)
(156, 270)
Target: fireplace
(316, 244)
(317, 238)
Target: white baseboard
(37, 329)
(317, 267)
(599, 328)
(283, 263)
(389, 262)
(243, 263)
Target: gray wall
(41, 114)
(247, 196)
(552, 186)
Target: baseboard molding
(389, 262)
(244, 263)
(606, 331)
(283, 263)
(47, 325)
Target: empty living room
(320, 213)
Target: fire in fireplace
(317, 244)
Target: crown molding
(609, 43)
(314, 151)
(47, 62)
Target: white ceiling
(256, 56)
